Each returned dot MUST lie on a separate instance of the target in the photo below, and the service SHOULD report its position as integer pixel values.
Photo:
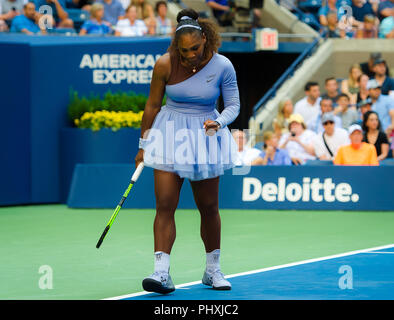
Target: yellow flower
(109, 119)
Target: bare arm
(60, 11)
(323, 20)
(308, 147)
(391, 126)
(25, 31)
(385, 151)
(156, 94)
(161, 72)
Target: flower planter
(87, 146)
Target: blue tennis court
(358, 275)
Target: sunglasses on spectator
(328, 122)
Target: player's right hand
(139, 157)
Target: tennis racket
(133, 180)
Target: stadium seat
(387, 162)
(309, 19)
(310, 5)
(63, 31)
(318, 163)
(78, 16)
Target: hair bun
(187, 14)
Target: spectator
(131, 26)
(361, 8)
(368, 30)
(386, 83)
(332, 28)
(59, 13)
(347, 115)
(272, 155)
(113, 11)
(386, 29)
(163, 23)
(331, 6)
(385, 9)
(246, 155)
(145, 12)
(363, 92)
(367, 67)
(222, 12)
(326, 106)
(9, 9)
(350, 85)
(298, 141)
(27, 22)
(308, 107)
(280, 123)
(96, 25)
(328, 141)
(363, 106)
(357, 153)
(374, 135)
(332, 92)
(383, 105)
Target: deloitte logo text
(310, 190)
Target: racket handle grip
(137, 173)
(102, 237)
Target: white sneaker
(216, 280)
(159, 282)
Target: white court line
(265, 269)
(381, 252)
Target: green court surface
(62, 241)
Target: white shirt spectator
(295, 150)
(125, 28)
(306, 110)
(339, 138)
(247, 155)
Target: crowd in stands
(339, 18)
(361, 19)
(351, 123)
(128, 18)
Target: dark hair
(365, 119)
(343, 95)
(159, 3)
(309, 85)
(326, 98)
(329, 79)
(208, 28)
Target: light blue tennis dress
(177, 141)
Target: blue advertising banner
(274, 187)
(37, 74)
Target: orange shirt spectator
(358, 153)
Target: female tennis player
(189, 138)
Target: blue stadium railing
(293, 67)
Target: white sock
(213, 263)
(162, 261)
